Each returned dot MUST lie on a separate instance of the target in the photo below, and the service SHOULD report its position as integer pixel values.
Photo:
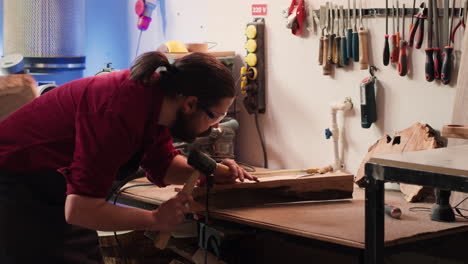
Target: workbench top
(338, 221)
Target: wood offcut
(416, 137)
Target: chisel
(331, 37)
(403, 59)
(344, 48)
(323, 25)
(447, 61)
(436, 47)
(355, 35)
(386, 52)
(326, 63)
(429, 50)
(349, 34)
(363, 42)
(337, 45)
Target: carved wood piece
(416, 137)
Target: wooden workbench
(340, 222)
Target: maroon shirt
(86, 129)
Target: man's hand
(237, 172)
(171, 213)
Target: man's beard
(184, 130)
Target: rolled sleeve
(103, 142)
(158, 157)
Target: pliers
(420, 16)
(461, 22)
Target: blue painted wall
(107, 36)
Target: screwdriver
(398, 23)
(447, 54)
(437, 59)
(327, 68)
(355, 35)
(394, 46)
(386, 52)
(402, 59)
(349, 35)
(429, 50)
(363, 42)
(412, 16)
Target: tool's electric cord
(262, 142)
(427, 209)
(116, 192)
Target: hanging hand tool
(386, 52)
(394, 44)
(403, 59)
(429, 50)
(322, 25)
(344, 48)
(331, 37)
(413, 13)
(447, 61)
(326, 63)
(398, 23)
(368, 88)
(363, 42)
(349, 34)
(355, 35)
(445, 26)
(419, 24)
(337, 45)
(461, 23)
(436, 47)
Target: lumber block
(277, 189)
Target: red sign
(259, 10)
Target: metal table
(444, 168)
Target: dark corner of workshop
(237, 132)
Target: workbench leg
(374, 217)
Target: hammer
(202, 164)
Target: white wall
(298, 95)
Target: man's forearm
(178, 171)
(97, 214)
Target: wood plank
(416, 137)
(455, 131)
(278, 189)
(214, 53)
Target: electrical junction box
(253, 73)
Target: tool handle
(446, 65)
(429, 65)
(161, 240)
(320, 57)
(394, 54)
(326, 62)
(398, 40)
(349, 41)
(393, 211)
(420, 34)
(437, 63)
(386, 52)
(411, 28)
(355, 46)
(337, 53)
(331, 41)
(363, 51)
(403, 59)
(413, 33)
(344, 52)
